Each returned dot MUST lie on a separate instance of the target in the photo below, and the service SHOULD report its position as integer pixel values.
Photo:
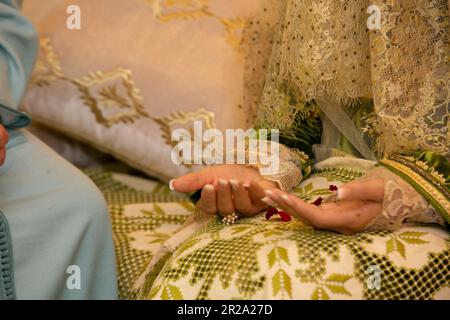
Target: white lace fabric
(402, 204)
(289, 173)
(324, 49)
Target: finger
(2, 155)
(192, 182)
(225, 204)
(208, 200)
(372, 189)
(284, 203)
(269, 202)
(346, 217)
(256, 192)
(241, 199)
(300, 209)
(4, 136)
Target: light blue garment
(58, 220)
(18, 50)
(13, 119)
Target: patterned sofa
(261, 259)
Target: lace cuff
(293, 166)
(428, 173)
(402, 204)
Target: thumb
(371, 190)
(191, 182)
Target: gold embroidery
(112, 96)
(184, 120)
(116, 100)
(169, 10)
(48, 67)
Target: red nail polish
(333, 188)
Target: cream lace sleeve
(293, 166)
(402, 204)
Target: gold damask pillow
(138, 69)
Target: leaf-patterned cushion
(260, 259)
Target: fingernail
(246, 185)
(223, 183)
(234, 184)
(286, 198)
(269, 201)
(342, 193)
(268, 192)
(171, 184)
(208, 187)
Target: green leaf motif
(171, 293)
(158, 209)
(413, 237)
(338, 289)
(154, 291)
(272, 257)
(320, 294)
(282, 281)
(161, 188)
(188, 245)
(321, 192)
(396, 245)
(412, 234)
(147, 213)
(189, 206)
(390, 246)
(283, 254)
(336, 283)
(278, 253)
(309, 187)
(240, 229)
(272, 233)
(158, 240)
(335, 277)
(158, 237)
(414, 241)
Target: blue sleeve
(18, 50)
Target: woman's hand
(358, 203)
(227, 189)
(4, 137)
